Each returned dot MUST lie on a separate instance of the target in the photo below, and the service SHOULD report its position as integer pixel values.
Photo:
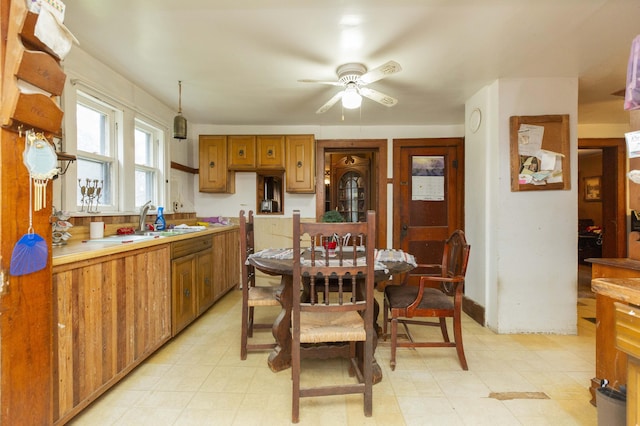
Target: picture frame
(592, 187)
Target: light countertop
(82, 250)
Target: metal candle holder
(91, 192)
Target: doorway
(602, 219)
(368, 159)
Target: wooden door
(427, 195)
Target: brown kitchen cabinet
(242, 152)
(226, 262)
(300, 164)
(270, 150)
(191, 277)
(214, 174)
(204, 280)
(110, 313)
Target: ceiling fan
(354, 77)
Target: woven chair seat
(403, 296)
(317, 327)
(262, 296)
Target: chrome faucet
(143, 215)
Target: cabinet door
(204, 261)
(183, 274)
(242, 152)
(300, 164)
(110, 313)
(270, 152)
(214, 174)
(232, 239)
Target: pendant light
(179, 122)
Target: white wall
(481, 166)
(528, 238)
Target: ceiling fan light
(351, 98)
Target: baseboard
(475, 311)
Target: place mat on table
(392, 255)
(274, 253)
(362, 261)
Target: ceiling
(240, 61)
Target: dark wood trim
(183, 168)
(614, 213)
(379, 146)
(474, 310)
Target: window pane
(144, 148)
(91, 176)
(92, 130)
(145, 186)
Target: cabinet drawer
(190, 246)
(628, 329)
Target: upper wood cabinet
(300, 163)
(242, 152)
(270, 152)
(214, 174)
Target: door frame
(378, 172)
(614, 210)
(398, 146)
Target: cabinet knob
(212, 164)
(299, 164)
(207, 281)
(187, 293)
(241, 153)
(270, 153)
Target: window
(121, 155)
(95, 154)
(147, 160)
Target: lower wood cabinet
(226, 264)
(110, 313)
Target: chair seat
(262, 296)
(401, 296)
(317, 327)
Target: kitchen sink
(116, 239)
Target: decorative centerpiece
(90, 192)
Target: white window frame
(111, 157)
(125, 119)
(155, 168)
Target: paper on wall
(530, 139)
(633, 143)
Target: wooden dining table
(277, 263)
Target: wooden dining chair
(252, 296)
(437, 296)
(322, 316)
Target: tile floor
(198, 379)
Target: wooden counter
(83, 250)
(115, 304)
(613, 280)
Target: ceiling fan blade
(330, 83)
(381, 98)
(331, 102)
(382, 71)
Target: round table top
(276, 266)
